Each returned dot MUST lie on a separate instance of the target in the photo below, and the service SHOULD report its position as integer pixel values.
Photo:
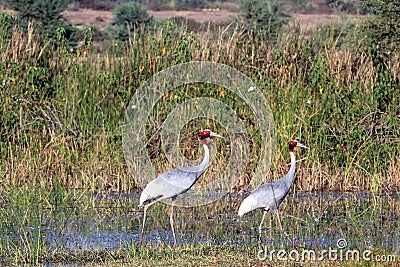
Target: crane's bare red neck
(203, 141)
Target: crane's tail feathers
(246, 206)
(145, 197)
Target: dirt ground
(100, 19)
(89, 17)
(210, 15)
(308, 21)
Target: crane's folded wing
(270, 195)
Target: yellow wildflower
(221, 92)
(163, 51)
(141, 68)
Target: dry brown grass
(93, 161)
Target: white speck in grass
(134, 107)
(309, 101)
(251, 89)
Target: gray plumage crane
(269, 196)
(172, 183)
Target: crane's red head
(208, 133)
(293, 144)
(205, 134)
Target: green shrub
(129, 17)
(382, 28)
(265, 17)
(47, 15)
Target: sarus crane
(269, 196)
(175, 182)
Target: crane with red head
(175, 182)
(269, 196)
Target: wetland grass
(65, 190)
(68, 133)
(66, 229)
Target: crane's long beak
(301, 145)
(216, 135)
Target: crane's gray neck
(290, 175)
(206, 160)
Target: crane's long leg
(171, 221)
(280, 225)
(144, 218)
(261, 223)
(270, 227)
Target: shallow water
(111, 223)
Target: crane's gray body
(172, 183)
(269, 196)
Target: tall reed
(62, 111)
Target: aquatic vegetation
(74, 231)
